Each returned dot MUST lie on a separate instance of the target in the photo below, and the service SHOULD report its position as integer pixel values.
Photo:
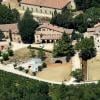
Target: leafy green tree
(85, 4)
(5, 56)
(78, 75)
(63, 47)
(64, 19)
(10, 52)
(7, 16)
(87, 51)
(16, 15)
(92, 16)
(27, 26)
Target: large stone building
(12, 3)
(11, 28)
(95, 33)
(45, 8)
(48, 33)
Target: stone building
(95, 33)
(48, 33)
(6, 28)
(45, 8)
(12, 3)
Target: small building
(95, 33)
(45, 8)
(11, 28)
(48, 33)
(33, 64)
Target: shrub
(34, 73)
(29, 47)
(20, 68)
(44, 65)
(5, 56)
(10, 52)
(77, 74)
(15, 65)
(40, 68)
(26, 71)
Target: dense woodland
(13, 87)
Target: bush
(10, 52)
(15, 65)
(5, 56)
(20, 68)
(40, 68)
(26, 71)
(77, 74)
(34, 73)
(44, 65)
(29, 47)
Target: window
(32, 9)
(36, 10)
(50, 12)
(41, 10)
(45, 11)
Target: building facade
(13, 29)
(95, 33)
(48, 33)
(46, 8)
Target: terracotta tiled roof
(56, 28)
(48, 3)
(7, 27)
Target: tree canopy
(85, 4)
(14, 87)
(27, 26)
(87, 48)
(8, 16)
(63, 47)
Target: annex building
(95, 33)
(45, 8)
(48, 33)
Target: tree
(64, 19)
(27, 26)
(85, 4)
(7, 16)
(16, 15)
(5, 56)
(87, 51)
(78, 75)
(63, 47)
(1, 35)
(10, 52)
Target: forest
(14, 87)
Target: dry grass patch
(56, 72)
(94, 68)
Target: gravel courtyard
(56, 72)
(94, 68)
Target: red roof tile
(59, 4)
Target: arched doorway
(43, 41)
(48, 41)
(58, 61)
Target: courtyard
(56, 72)
(93, 68)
